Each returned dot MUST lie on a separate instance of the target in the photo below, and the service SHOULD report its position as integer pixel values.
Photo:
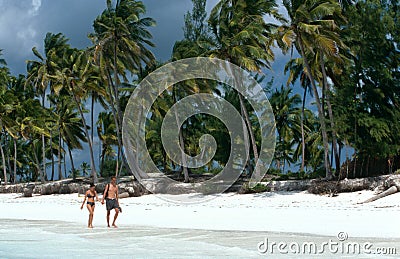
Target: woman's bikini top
(90, 196)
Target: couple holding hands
(110, 195)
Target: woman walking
(90, 195)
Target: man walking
(111, 196)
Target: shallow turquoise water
(55, 239)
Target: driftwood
(123, 195)
(127, 186)
(382, 182)
(385, 184)
(390, 187)
(389, 191)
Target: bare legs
(91, 212)
(115, 217)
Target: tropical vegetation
(337, 115)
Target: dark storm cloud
(72, 18)
(24, 24)
(169, 18)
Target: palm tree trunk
(184, 168)
(72, 163)
(60, 176)
(321, 114)
(44, 153)
(115, 88)
(164, 160)
(15, 160)
(42, 179)
(303, 141)
(331, 118)
(8, 161)
(182, 145)
(92, 163)
(136, 164)
(65, 162)
(118, 109)
(103, 154)
(92, 118)
(52, 156)
(250, 130)
(117, 163)
(3, 159)
(114, 110)
(43, 138)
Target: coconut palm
(287, 119)
(242, 37)
(7, 106)
(69, 125)
(108, 137)
(77, 76)
(313, 30)
(39, 71)
(31, 125)
(296, 71)
(121, 40)
(21, 94)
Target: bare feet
(108, 226)
(115, 226)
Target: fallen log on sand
(389, 191)
(382, 182)
(390, 187)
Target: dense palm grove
(342, 92)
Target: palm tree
(181, 50)
(107, 134)
(70, 129)
(77, 76)
(287, 119)
(242, 37)
(296, 71)
(7, 106)
(312, 28)
(121, 40)
(39, 71)
(22, 94)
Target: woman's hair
(91, 185)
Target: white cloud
(35, 7)
(18, 29)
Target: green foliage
(258, 188)
(349, 53)
(367, 97)
(195, 22)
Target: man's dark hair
(113, 177)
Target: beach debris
(393, 189)
(123, 195)
(28, 192)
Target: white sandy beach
(290, 212)
(228, 226)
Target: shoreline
(66, 239)
(282, 212)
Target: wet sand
(57, 239)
